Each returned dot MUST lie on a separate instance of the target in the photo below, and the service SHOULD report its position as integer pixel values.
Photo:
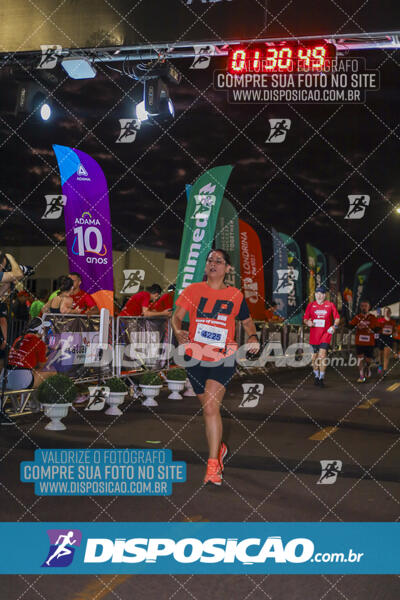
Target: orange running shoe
(223, 452)
(213, 473)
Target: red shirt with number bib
(323, 316)
(30, 352)
(212, 315)
(386, 326)
(365, 324)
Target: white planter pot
(189, 391)
(175, 387)
(114, 400)
(56, 412)
(150, 391)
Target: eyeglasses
(216, 262)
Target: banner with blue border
(200, 548)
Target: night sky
(299, 187)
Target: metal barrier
(72, 341)
(343, 340)
(142, 343)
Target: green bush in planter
(57, 389)
(150, 379)
(116, 385)
(176, 375)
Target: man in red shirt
(81, 299)
(164, 303)
(323, 318)
(138, 304)
(365, 323)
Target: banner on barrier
(70, 340)
(143, 343)
(87, 223)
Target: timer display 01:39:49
(283, 58)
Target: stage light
(33, 99)
(156, 100)
(141, 113)
(78, 68)
(398, 210)
(45, 111)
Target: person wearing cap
(138, 304)
(164, 303)
(323, 319)
(26, 359)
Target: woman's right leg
(211, 402)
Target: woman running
(26, 359)
(210, 344)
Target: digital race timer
(281, 58)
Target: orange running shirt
(212, 315)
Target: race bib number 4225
(214, 336)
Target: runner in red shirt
(323, 318)
(387, 329)
(26, 358)
(210, 347)
(365, 323)
(81, 299)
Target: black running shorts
(200, 372)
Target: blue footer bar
(199, 548)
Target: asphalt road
(271, 474)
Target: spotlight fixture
(156, 101)
(33, 99)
